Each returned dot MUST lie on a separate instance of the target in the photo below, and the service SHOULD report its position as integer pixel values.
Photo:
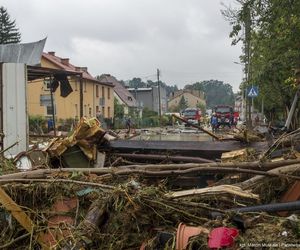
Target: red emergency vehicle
(192, 115)
(224, 114)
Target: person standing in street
(214, 122)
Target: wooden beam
(198, 127)
(19, 215)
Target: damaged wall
(14, 113)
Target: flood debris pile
(245, 200)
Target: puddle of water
(174, 137)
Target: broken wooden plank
(240, 154)
(198, 127)
(19, 215)
(159, 157)
(212, 191)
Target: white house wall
(125, 107)
(15, 122)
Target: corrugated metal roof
(119, 89)
(28, 53)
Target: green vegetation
(138, 83)
(202, 107)
(182, 105)
(216, 92)
(37, 124)
(270, 33)
(8, 31)
(118, 109)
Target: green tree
(202, 107)
(8, 31)
(118, 109)
(137, 83)
(274, 57)
(182, 105)
(216, 92)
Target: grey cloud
(187, 39)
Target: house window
(97, 109)
(103, 112)
(45, 100)
(97, 91)
(103, 92)
(129, 98)
(108, 112)
(49, 110)
(90, 112)
(108, 93)
(47, 84)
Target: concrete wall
(149, 98)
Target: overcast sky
(186, 39)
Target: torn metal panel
(28, 53)
(13, 106)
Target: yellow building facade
(193, 99)
(97, 97)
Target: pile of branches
(124, 207)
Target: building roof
(119, 89)
(182, 92)
(63, 63)
(36, 72)
(139, 89)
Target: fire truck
(225, 115)
(192, 115)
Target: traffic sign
(253, 91)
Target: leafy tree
(274, 55)
(202, 107)
(118, 109)
(216, 92)
(182, 105)
(171, 89)
(148, 113)
(8, 31)
(137, 83)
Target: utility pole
(159, 100)
(248, 64)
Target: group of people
(215, 123)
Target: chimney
(85, 69)
(51, 53)
(65, 61)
